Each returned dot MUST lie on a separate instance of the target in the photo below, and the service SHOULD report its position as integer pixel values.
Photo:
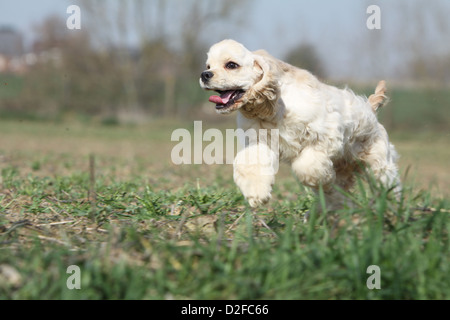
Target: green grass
(419, 110)
(10, 86)
(422, 109)
(146, 242)
(145, 229)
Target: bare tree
(412, 42)
(168, 36)
(305, 56)
(424, 40)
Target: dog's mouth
(226, 99)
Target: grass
(10, 86)
(424, 109)
(146, 229)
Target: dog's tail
(379, 99)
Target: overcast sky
(272, 24)
(336, 28)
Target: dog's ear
(260, 66)
(262, 96)
(263, 66)
(267, 84)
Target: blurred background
(138, 61)
(134, 60)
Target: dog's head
(241, 78)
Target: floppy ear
(264, 93)
(268, 85)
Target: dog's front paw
(257, 190)
(254, 173)
(256, 201)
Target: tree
(305, 56)
(168, 36)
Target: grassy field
(139, 227)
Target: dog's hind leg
(381, 158)
(315, 169)
(335, 197)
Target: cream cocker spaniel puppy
(324, 133)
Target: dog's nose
(207, 75)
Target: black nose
(206, 75)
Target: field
(108, 200)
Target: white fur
(325, 132)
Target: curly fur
(325, 133)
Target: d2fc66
(250, 309)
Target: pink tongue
(223, 99)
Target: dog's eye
(208, 67)
(231, 65)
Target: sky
(23, 14)
(337, 29)
(294, 19)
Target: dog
(325, 133)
